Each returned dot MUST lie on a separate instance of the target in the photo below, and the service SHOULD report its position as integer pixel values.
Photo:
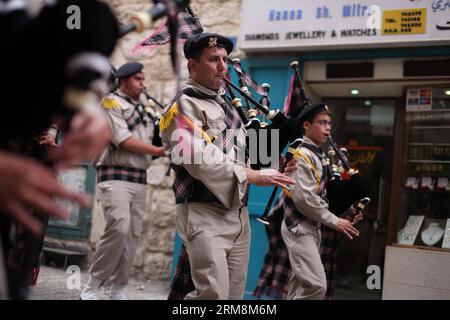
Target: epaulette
(109, 102)
(168, 116)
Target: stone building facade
(154, 255)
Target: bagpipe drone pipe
(346, 187)
(281, 127)
(288, 128)
(342, 193)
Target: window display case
(417, 257)
(81, 179)
(424, 205)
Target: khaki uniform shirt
(117, 117)
(227, 180)
(306, 194)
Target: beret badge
(212, 41)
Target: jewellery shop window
(424, 218)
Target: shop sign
(292, 25)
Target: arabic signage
(297, 24)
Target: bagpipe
(346, 187)
(74, 63)
(289, 129)
(75, 56)
(341, 193)
(145, 19)
(180, 23)
(89, 74)
(154, 115)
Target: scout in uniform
(122, 183)
(211, 193)
(308, 209)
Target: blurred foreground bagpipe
(342, 193)
(77, 57)
(91, 74)
(71, 43)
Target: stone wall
(154, 254)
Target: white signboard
(408, 234)
(300, 24)
(446, 241)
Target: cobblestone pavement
(54, 283)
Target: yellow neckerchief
(168, 116)
(172, 113)
(299, 154)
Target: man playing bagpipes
(206, 140)
(122, 183)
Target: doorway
(365, 127)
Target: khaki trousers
(218, 245)
(124, 207)
(307, 280)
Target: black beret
(206, 39)
(128, 69)
(310, 111)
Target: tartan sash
(185, 187)
(291, 214)
(188, 24)
(137, 117)
(274, 276)
(182, 282)
(121, 173)
(232, 122)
